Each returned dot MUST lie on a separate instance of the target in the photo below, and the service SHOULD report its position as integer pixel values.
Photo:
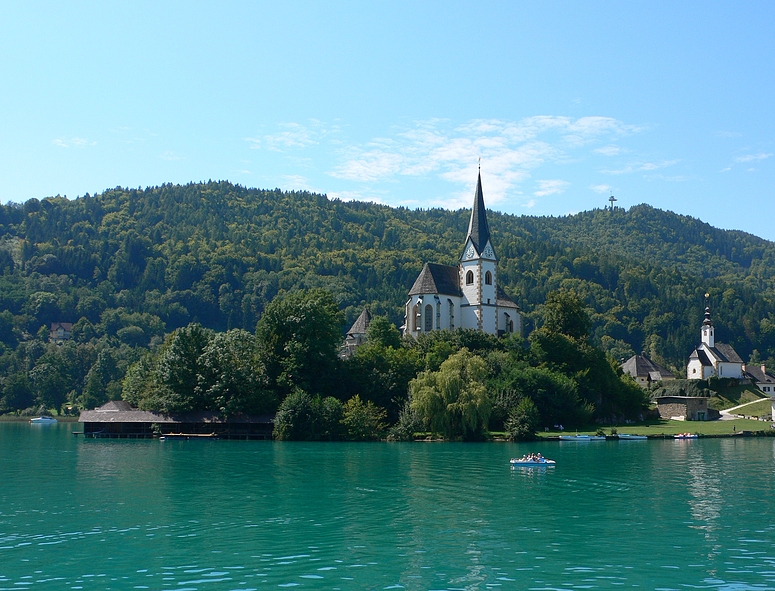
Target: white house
(761, 378)
(446, 297)
(711, 358)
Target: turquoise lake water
(212, 515)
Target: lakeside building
(685, 408)
(711, 358)
(117, 419)
(645, 371)
(446, 297)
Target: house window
(488, 278)
(470, 278)
(428, 318)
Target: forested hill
(128, 265)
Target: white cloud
(753, 157)
(255, 143)
(170, 156)
(642, 167)
(294, 135)
(297, 182)
(602, 189)
(74, 142)
(609, 150)
(369, 166)
(551, 187)
(510, 150)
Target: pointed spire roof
(478, 230)
(361, 324)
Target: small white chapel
(467, 295)
(712, 358)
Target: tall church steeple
(478, 229)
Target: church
(712, 358)
(467, 295)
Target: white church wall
(694, 370)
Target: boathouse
(685, 408)
(118, 419)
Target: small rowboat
(43, 420)
(628, 437)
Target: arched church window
(488, 278)
(470, 278)
(428, 318)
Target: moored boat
(628, 437)
(686, 436)
(582, 437)
(43, 420)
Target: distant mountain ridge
(217, 253)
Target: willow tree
(453, 401)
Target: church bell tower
(478, 269)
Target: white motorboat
(582, 437)
(43, 420)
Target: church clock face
(488, 252)
(470, 252)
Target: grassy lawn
(668, 427)
(757, 409)
(733, 395)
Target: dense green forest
(129, 266)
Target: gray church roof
(725, 352)
(437, 279)
(361, 324)
(702, 356)
(503, 300)
(642, 366)
(478, 230)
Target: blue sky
(665, 103)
